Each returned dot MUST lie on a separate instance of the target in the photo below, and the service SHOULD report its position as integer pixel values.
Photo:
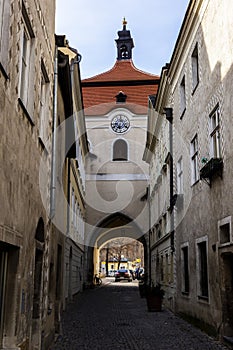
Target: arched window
(120, 150)
(124, 51)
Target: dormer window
(121, 97)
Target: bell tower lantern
(124, 43)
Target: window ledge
(203, 298)
(25, 111)
(226, 244)
(195, 88)
(41, 143)
(2, 69)
(182, 114)
(119, 161)
(195, 183)
(43, 146)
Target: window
(215, 146)
(194, 160)
(72, 205)
(164, 224)
(124, 51)
(224, 233)
(185, 270)
(120, 150)
(38, 267)
(182, 97)
(202, 269)
(26, 82)
(161, 268)
(166, 268)
(44, 90)
(121, 97)
(75, 212)
(3, 284)
(172, 268)
(195, 70)
(180, 189)
(224, 230)
(4, 35)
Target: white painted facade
(197, 86)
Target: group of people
(139, 273)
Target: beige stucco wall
(204, 206)
(116, 186)
(20, 156)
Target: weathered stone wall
(20, 156)
(204, 205)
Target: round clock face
(120, 124)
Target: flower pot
(154, 303)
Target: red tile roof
(122, 70)
(125, 77)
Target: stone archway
(114, 226)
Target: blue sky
(91, 27)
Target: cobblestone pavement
(114, 316)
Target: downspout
(149, 238)
(68, 199)
(169, 117)
(54, 138)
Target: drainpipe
(54, 138)
(169, 117)
(149, 240)
(68, 199)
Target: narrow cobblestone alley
(114, 316)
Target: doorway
(3, 276)
(9, 259)
(228, 295)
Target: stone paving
(114, 316)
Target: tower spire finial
(124, 43)
(124, 22)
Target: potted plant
(142, 288)
(154, 297)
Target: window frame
(194, 160)
(43, 105)
(114, 158)
(4, 36)
(180, 176)
(195, 68)
(72, 205)
(202, 269)
(182, 96)
(26, 75)
(214, 133)
(185, 283)
(223, 222)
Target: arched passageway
(114, 226)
